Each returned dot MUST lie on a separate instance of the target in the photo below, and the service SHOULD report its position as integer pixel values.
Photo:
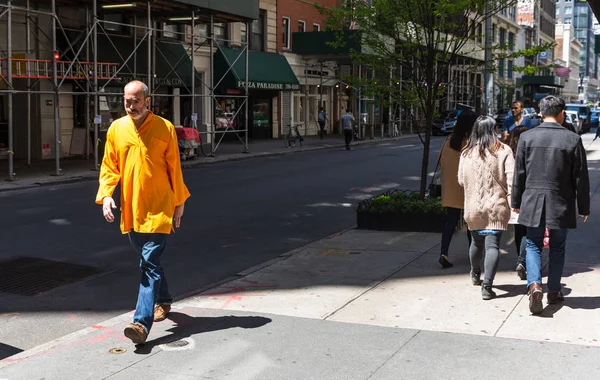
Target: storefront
(269, 75)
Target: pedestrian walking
(322, 121)
(348, 127)
(520, 230)
(516, 119)
(142, 155)
(486, 171)
(551, 186)
(453, 195)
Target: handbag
(435, 187)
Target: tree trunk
(426, 144)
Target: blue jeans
(153, 284)
(535, 244)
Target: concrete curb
(216, 160)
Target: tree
(423, 38)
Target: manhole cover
(29, 276)
(177, 343)
(117, 350)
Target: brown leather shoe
(536, 295)
(555, 297)
(136, 332)
(161, 311)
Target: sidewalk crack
(394, 354)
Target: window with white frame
(301, 26)
(285, 32)
(170, 30)
(316, 28)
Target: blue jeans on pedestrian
(154, 288)
(535, 244)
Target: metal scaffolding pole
(248, 27)
(57, 145)
(149, 55)
(87, 88)
(134, 47)
(96, 97)
(193, 45)
(11, 153)
(211, 34)
(28, 47)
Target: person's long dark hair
(462, 129)
(513, 137)
(484, 137)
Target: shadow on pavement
(188, 326)
(7, 351)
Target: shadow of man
(187, 326)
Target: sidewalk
(357, 305)
(41, 173)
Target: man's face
(517, 109)
(135, 102)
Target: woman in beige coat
(452, 193)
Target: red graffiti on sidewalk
(236, 293)
(10, 316)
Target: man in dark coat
(550, 187)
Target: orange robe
(146, 164)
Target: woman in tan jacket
(486, 172)
(452, 193)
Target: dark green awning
(266, 71)
(173, 63)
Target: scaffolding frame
(80, 70)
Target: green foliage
(403, 203)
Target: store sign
(269, 86)
(526, 12)
(171, 82)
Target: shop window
(170, 31)
(115, 28)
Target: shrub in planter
(401, 211)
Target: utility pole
(488, 94)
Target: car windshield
(452, 115)
(578, 109)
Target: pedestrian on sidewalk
(520, 230)
(142, 155)
(453, 195)
(322, 121)
(486, 171)
(515, 120)
(551, 186)
(348, 127)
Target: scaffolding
(90, 77)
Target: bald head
(136, 100)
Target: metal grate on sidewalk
(30, 276)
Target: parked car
(438, 122)
(584, 114)
(594, 118)
(573, 118)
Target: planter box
(392, 221)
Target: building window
(220, 30)
(511, 41)
(567, 20)
(502, 36)
(257, 37)
(114, 17)
(170, 31)
(301, 26)
(501, 67)
(494, 33)
(285, 32)
(568, 10)
(509, 72)
(316, 28)
(512, 13)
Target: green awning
(266, 71)
(173, 63)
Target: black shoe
(487, 293)
(521, 272)
(555, 297)
(444, 262)
(476, 278)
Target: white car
(573, 118)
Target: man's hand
(107, 205)
(178, 215)
(585, 218)
(516, 210)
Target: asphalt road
(240, 214)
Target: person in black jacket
(550, 187)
